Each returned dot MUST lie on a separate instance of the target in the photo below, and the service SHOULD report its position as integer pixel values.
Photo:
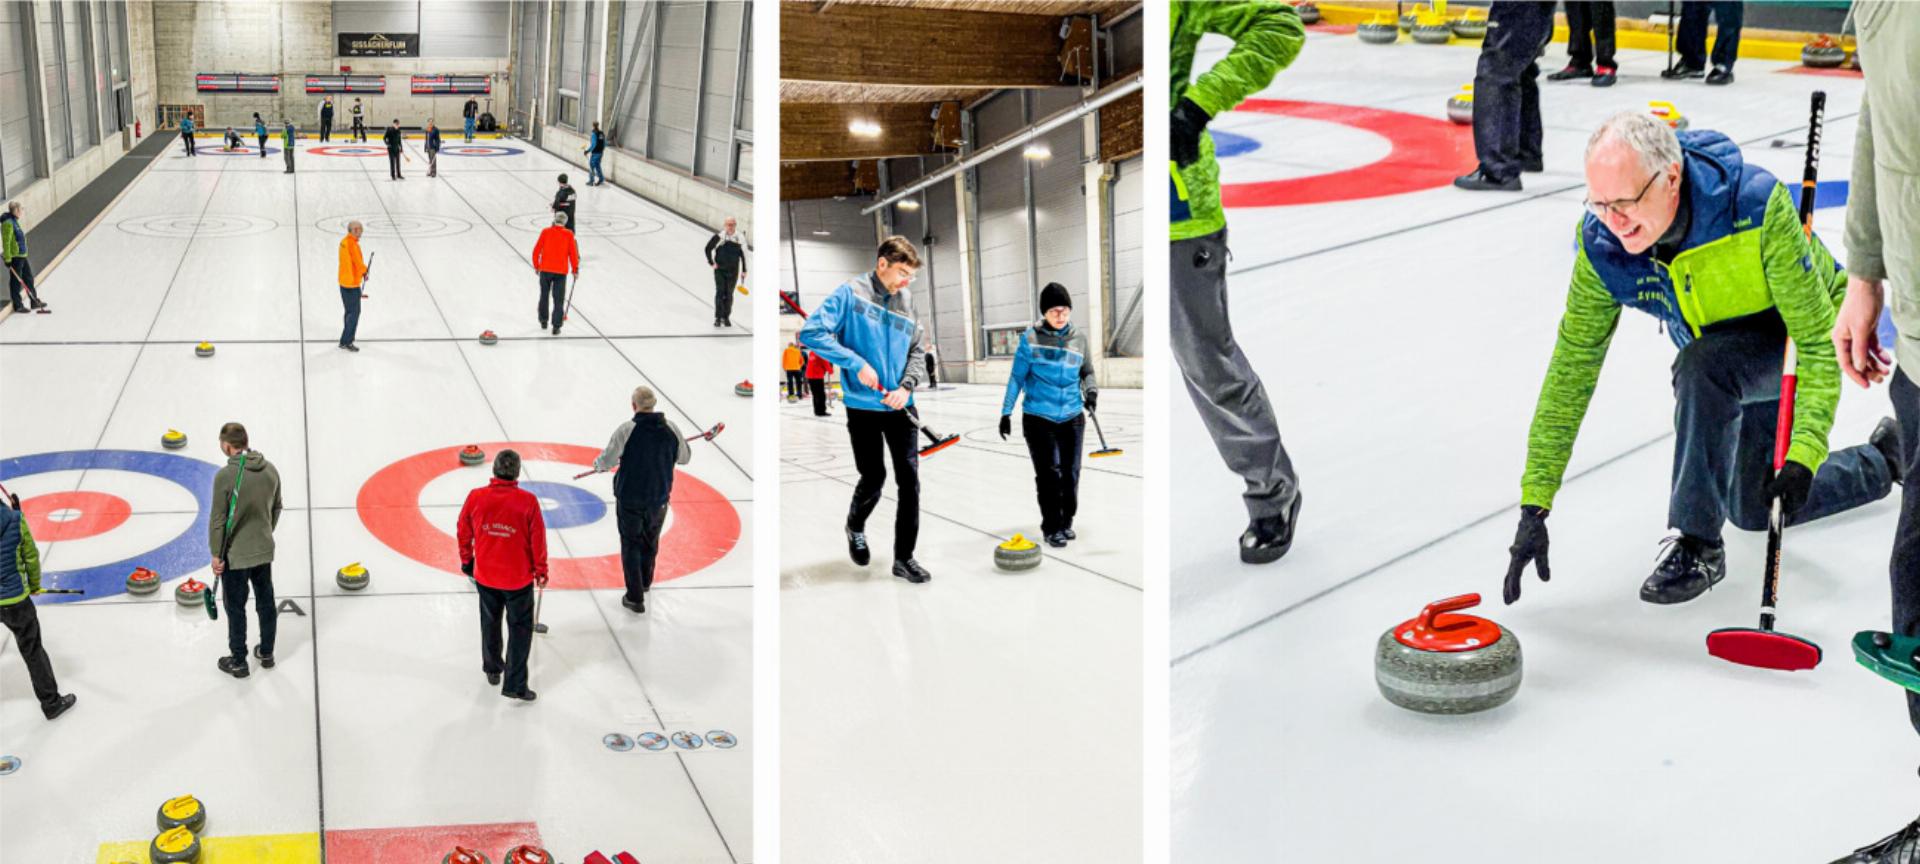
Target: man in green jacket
(19, 581)
(1226, 391)
(1883, 248)
(1684, 229)
(13, 254)
(246, 508)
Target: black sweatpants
(639, 526)
(21, 619)
(553, 285)
(517, 608)
(1590, 34)
(723, 282)
(234, 585)
(819, 388)
(1506, 99)
(1055, 448)
(877, 436)
(1905, 567)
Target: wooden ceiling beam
(918, 47)
(804, 181)
(813, 131)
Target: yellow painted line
(258, 849)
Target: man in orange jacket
(503, 549)
(353, 278)
(791, 362)
(553, 255)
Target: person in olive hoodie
(248, 488)
(645, 451)
(19, 581)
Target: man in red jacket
(503, 549)
(553, 256)
(817, 369)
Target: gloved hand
(467, 568)
(1189, 120)
(1791, 486)
(1091, 399)
(540, 580)
(1006, 426)
(1529, 544)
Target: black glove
(1189, 120)
(1006, 426)
(1529, 544)
(1791, 486)
(1091, 399)
(467, 568)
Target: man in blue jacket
(19, 580)
(596, 147)
(1050, 366)
(866, 327)
(186, 133)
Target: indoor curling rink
(1404, 338)
(984, 715)
(377, 726)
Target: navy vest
(646, 465)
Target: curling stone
(1378, 33)
(1823, 53)
(1460, 106)
(488, 337)
(1442, 663)
(1669, 113)
(1309, 12)
(1895, 658)
(527, 854)
(352, 577)
(472, 455)
(174, 439)
(1017, 554)
(1410, 20)
(1469, 28)
(1432, 34)
(744, 388)
(463, 855)
(174, 845)
(204, 349)
(142, 581)
(185, 810)
(190, 593)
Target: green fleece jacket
(26, 565)
(254, 516)
(1266, 37)
(1883, 206)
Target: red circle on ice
(703, 525)
(74, 515)
(1427, 153)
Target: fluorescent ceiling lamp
(908, 204)
(818, 233)
(1037, 150)
(864, 128)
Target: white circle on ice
(208, 225)
(399, 225)
(591, 224)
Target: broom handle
(1783, 427)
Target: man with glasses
(1682, 228)
(866, 327)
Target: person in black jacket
(727, 255)
(645, 451)
(326, 120)
(469, 113)
(564, 200)
(359, 121)
(433, 149)
(392, 137)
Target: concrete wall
(701, 201)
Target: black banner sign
(379, 45)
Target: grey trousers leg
(1224, 387)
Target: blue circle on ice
(565, 506)
(183, 554)
(1228, 144)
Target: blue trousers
(593, 169)
(1905, 567)
(1726, 389)
(350, 298)
(469, 130)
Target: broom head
(1763, 649)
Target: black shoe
(22, 308)
(354, 348)
(1681, 72)
(556, 329)
(59, 707)
(638, 607)
(1068, 533)
(266, 660)
(543, 323)
(38, 305)
(857, 547)
(1886, 439)
(911, 571)
(1720, 75)
(727, 322)
(1533, 167)
(524, 695)
(1571, 72)
(1900, 847)
(716, 322)
(1605, 76)
(1057, 540)
(493, 678)
(1269, 538)
(1481, 181)
(235, 667)
(1688, 568)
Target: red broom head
(940, 445)
(1764, 649)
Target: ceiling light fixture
(864, 128)
(1037, 150)
(908, 204)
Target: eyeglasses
(1625, 206)
(913, 274)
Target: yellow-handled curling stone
(352, 577)
(1017, 554)
(184, 810)
(174, 439)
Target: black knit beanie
(1053, 295)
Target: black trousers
(21, 619)
(639, 526)
(1590, 34)
(326, 129)
(1691, 41)
(289, 155)
(1055, 448)
(433, 163)
(1506, 97)
(723, 282)
(877, 436)
(517, 608)
(393, 164)
(1905, 566)
(263, 146)
(359, 130)
(187, 139)
(819, 388)
(795, 383)
(933, 371)
(234, 585)
(553, 285)
(19, 279)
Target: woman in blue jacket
(1050, 367)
